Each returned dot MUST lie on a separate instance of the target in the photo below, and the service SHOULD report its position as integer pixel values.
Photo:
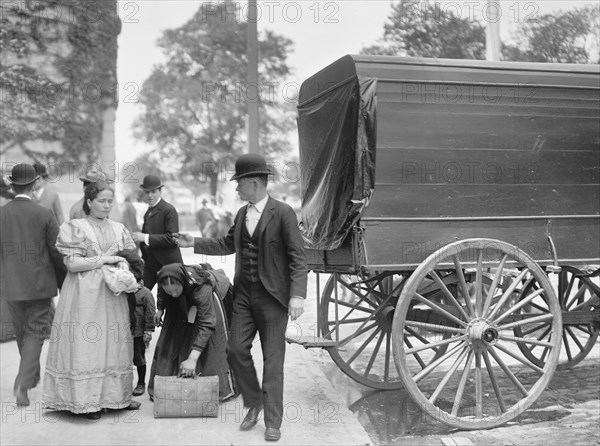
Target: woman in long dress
(194, 333)
(89, 365)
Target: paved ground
(314, 412)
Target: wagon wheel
(362, 322)
(578, 338)
(481, 381)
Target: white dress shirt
(253, 213)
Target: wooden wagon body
(464, 149)
(439, 194)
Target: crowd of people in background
(206, 325)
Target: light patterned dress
(89, 364)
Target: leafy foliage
(423, 29)
(563, 37)
(58, 73)
(195, 102)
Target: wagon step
(312, 341)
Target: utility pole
(492, 16)
(252, 88)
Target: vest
(249, 255)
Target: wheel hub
(481, 334)
(385, 318)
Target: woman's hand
(187, 368)
(111, 260)
(158, 318)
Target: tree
(58, 73)
(426, 29)
(195, 102)
(563, 37)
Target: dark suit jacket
(30, 266)
(160, 222)
(281, 260)
(50, 199)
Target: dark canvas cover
(337, 131)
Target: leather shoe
(250, 419)
(22, 397)
(94, 415)
(134, 405)
(272, 434)
(139, 390)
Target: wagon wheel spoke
(434, 275)
(433, 365)
(507, 294)
(537, 328)
(577, 297)
(585, 329)
(356, 334)
(564, 292)
(416, 356)
(461, 385)
(448, 375)
(479, 284)
(494, 285)
(508, 372)
(494, 381)
(439, 310)
(435, 345)
(478, 385)
(463, 284)
(523, 361)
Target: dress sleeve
(206, 316)
(79, 252)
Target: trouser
(32, 319)
(255, 310)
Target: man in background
(161, 221)
(46, 195)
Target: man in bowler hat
(269, 286)
(161, 221)
(31, 271)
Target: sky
(323, 31)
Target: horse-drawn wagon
(455, 207)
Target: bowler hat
(23, 174)
(151, 182)
(250, 165)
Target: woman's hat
(151, 182)
(93, 174)
(250, 165)
(23, 174)
(40, 169)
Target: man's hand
(295, 307)
(184, 240)
(137, 236)
(147, 338)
